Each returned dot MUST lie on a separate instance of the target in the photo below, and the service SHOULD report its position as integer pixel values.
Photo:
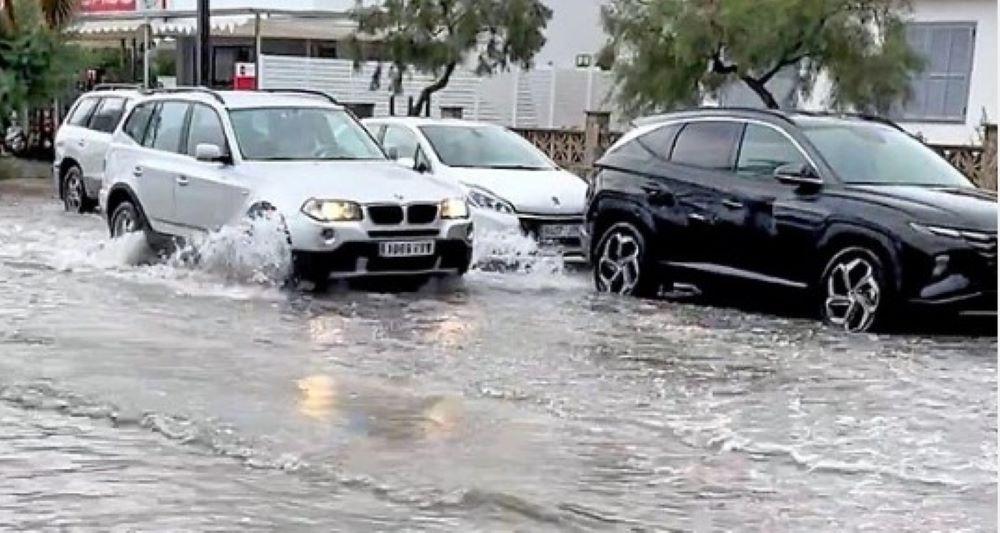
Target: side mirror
(392, 152)
(407, 162)
(421, 167)
(211, 153)
(801, 175)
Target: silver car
(190, 161)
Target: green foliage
(669, 53)
(435, 36)
(36, 64)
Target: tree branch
(440, 83)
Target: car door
(104, 121)
(73, 136)
(208, 195)
(767, 225)
(686, 192)
(157, 168)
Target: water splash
(255, 251)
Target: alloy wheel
(853, 294)
(123, 223)
(618, 268)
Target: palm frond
(59, 12)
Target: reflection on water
(318, 397)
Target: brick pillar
(598, 124)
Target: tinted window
(108, 114)
(167, 127)
(135, 126)
(765, 149)
(402, 140)
(206, 128)
(707, 145)
(81, 115)
(660, 140)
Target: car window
(400, 139)
(706, 145)
(476, 146)
(660, 140)
(107, 115)
(301, 134)
(167, 127)
(763, 150)
(206, 128)
(135, 126)
(81, 115)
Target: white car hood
(287, 185)
(546, 192)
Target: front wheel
(854, 291)
(622, 265)
(126, 219)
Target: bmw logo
(555, 201)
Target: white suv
(189, 161)
(82, 142)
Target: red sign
(106, 6)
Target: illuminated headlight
(953, 233)
(332, 210)
(454, 208)
(483, 199)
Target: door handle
(732, 204)
(698, 217)
(137, 172)
(81, 143)
(183, 181)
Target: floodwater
(172, 397)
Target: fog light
(940, 265)
(329, 235)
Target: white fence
(539, 98)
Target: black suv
(852, 209)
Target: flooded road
(174, 398)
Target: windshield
(301, 134)
(484, 147)
(876, 154)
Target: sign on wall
(107, 6)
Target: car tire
(126, 219)
(855, 293)
(75, 199)
(622, 263)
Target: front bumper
(451, 257)
(962, 280)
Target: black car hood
(967, 208)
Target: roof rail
(777, 113)
(117, 87)
(307, 92)
(863, 116)
(177, 90)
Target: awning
(275, 24)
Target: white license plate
(559, 231)
(406, 249)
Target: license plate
(559, 231)
(406, 249)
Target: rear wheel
(622, 264)
(855, 291)
(75, 198)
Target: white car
(511, 184)
(190, 161)
(82, 142)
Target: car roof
(424, 121)
(793, 117)
(125, 93)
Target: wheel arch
(842, 236)
(609, 210)
(120, 193)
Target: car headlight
(953, 233)
(332, 210)
(454, 208)
(486, 200)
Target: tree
(36, 64)
(436, 36)
(669, 53)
